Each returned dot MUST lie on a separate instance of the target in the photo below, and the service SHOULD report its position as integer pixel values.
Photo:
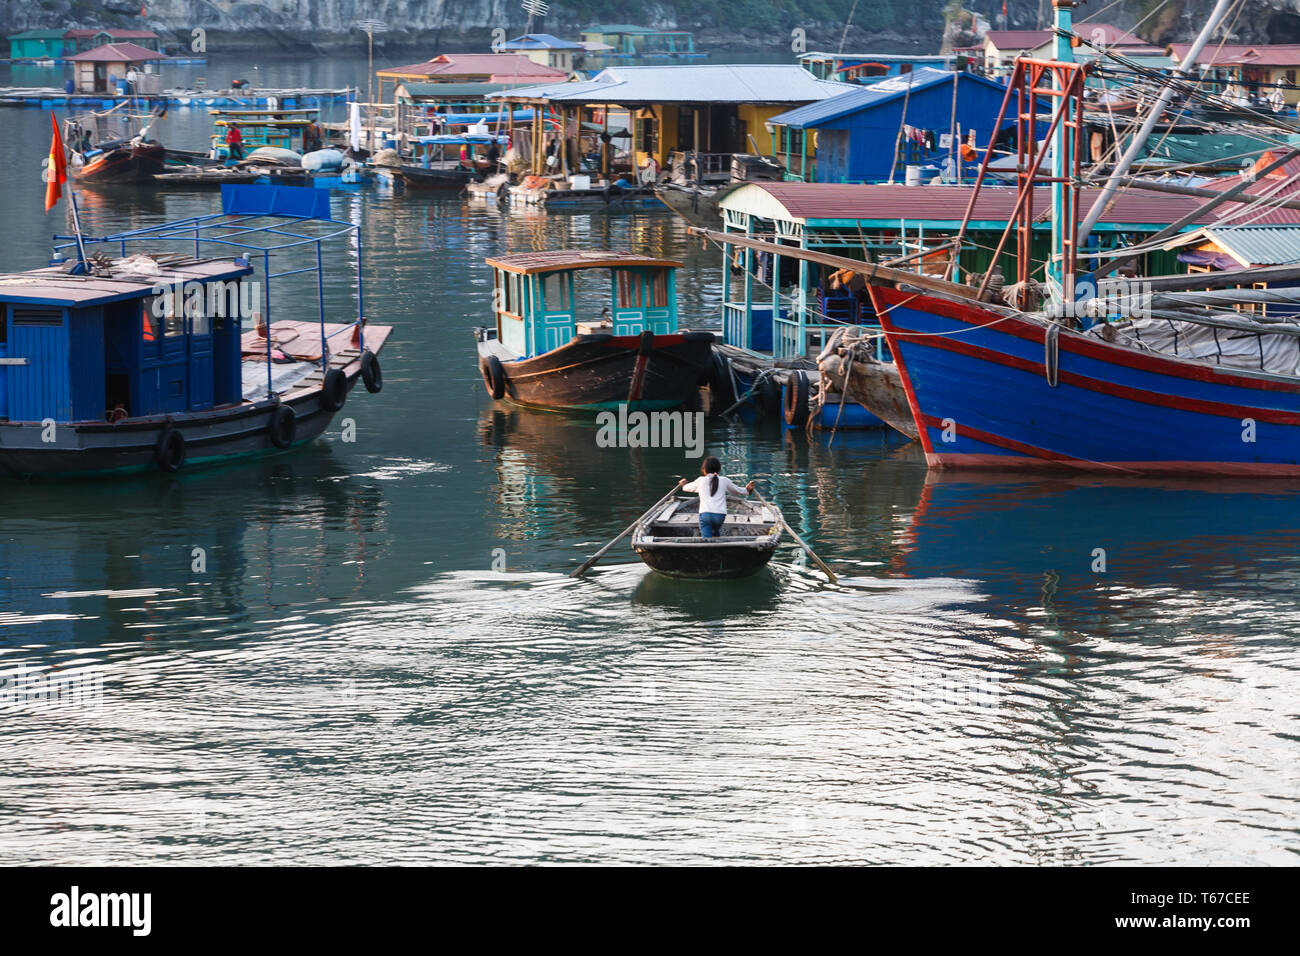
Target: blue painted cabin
(855, 133)
(76, 347)
(544, 299)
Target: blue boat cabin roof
(55, 287)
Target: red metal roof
(805, 201)
(476, 64)
(115, 34)
(1240, 54)
(1100, 33)
(117, 53)
(1017, 39)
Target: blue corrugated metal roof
(865, 97)
(695, 83)
(539, 41)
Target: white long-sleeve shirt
(715, 504)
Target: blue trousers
(711, 523)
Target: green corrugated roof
(38, 35)
(621, 28)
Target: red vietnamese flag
(57, 171)
(143, 14)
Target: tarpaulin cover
(301, 202)
(1232, 348)
(1215, 260)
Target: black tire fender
(169, 453)
(797, 393)
(647, 343)
(283, 426)
(334, 390)
(494, 376)
(372, 376)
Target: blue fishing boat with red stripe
(992, 388)
(1152, 379)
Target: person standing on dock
(712, 487)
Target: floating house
(545, 49)
(104, 69)
(37, 45)
(628, 40)
(79, 41)
(871, 67)
(1260, 68)
(996, 53)
(712, 112)
(870, 134)
(788, 307)
(423, 106)
(508, 69)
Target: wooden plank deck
(301, 340)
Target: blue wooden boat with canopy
(590, 329)
(157, 348)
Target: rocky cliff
(737, 24)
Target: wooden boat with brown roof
(588, 330)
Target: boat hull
(418, 177)
(600, 371)
(125, 164)
(706, 561)
(92, 448)
(977, 384)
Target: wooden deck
(301, 340)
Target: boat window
(173, 321)
(197, 312)
(657, 290)
(555, 291)
(148, 326)
(647, 134)
(514, 293)
(629, 289)
(32, 317)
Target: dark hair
(711, 466)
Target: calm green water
(350, 680)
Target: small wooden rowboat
(669, 539)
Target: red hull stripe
(999, 441)
(1142, 396)
(1077, 344)
(1196, 469)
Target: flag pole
(76, 226)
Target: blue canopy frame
(243, 211)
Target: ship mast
(1062, 52)
(1188, 63)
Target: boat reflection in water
(159, 559)
(1106, 556)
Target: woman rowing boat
(712, 487)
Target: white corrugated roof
(703, 83)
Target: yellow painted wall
(754, 118)
(1278, 75)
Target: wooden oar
(812, 554)
(597, 556)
